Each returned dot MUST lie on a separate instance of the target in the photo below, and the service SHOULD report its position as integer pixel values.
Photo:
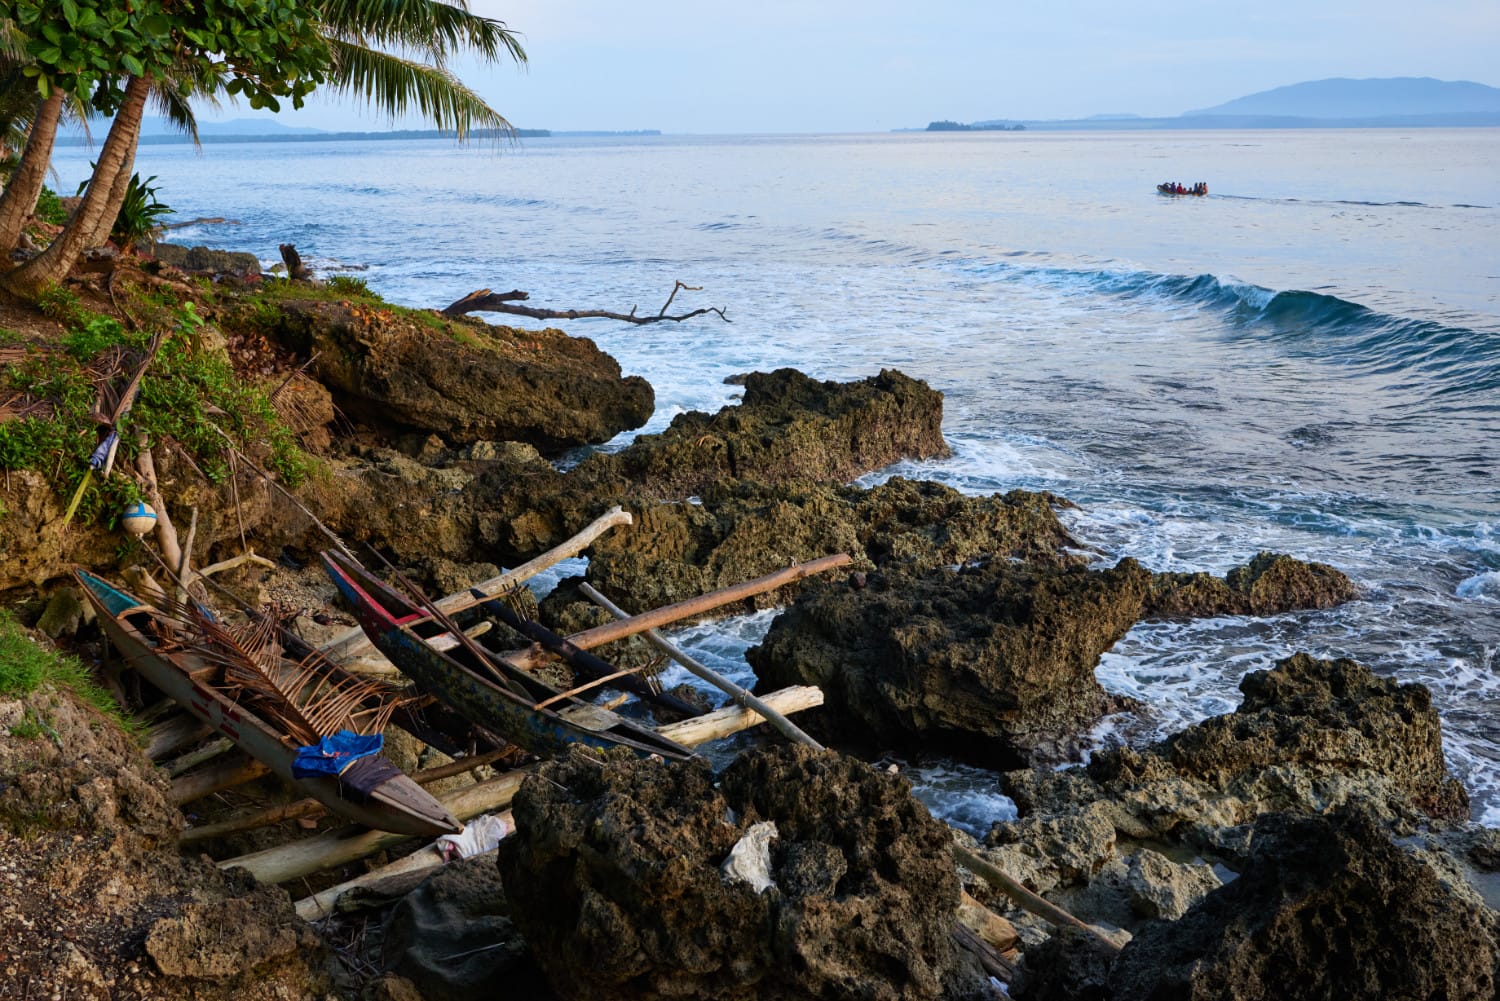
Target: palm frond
(306, 699)
(396, 87)
(174, 106)
(430, 29)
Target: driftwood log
(485, 301)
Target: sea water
(1307, 360)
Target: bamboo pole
(741, 696)
(173, 734)
(335, 848)
(354, 642)
(630, 626)
(1023, 898)
(195, 758)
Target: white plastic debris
(749, 860)
(478, 836)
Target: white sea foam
(1480, 587)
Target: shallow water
(1306, 360)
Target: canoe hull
(383, 614)
(398, 805)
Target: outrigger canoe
(369, 791)
(478, 684)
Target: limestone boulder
(994, 661)
(1326, 907)
(792, 427)
(463, 379)
(615, 879)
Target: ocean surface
(1306, 361)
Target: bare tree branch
(485, 301)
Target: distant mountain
(1392, 102)
(1341, 97)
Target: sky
(875, 65)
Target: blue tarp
(334, 753)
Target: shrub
(49, 208)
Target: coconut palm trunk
(100, 201)
(19, 198)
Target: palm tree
(376, 48)
(393, 54)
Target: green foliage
(95, 335)
(49, 208)
(139, 214)
(9, 336)
(59, 303)
(188, 395)
(350, 286)
(88, 48)
(25, 667)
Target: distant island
(976, 127)
(1393, 102)
(259, 130)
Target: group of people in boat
(1178, 188)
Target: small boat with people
(1178, 188)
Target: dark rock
(202, 259)
(1328, 907)
(614, 880)
(1269, 584)
(1327, 714)
(993, 661)
(1309, 736)
(790, 427)
(463, 379)
(1071, 965)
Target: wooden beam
(1022, 897)
(174, 733)
(339, 847)
(307, 807)
(621, 628)
(322, 904)
(194, 758)
(733, 719)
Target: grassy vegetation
(25, 667)
(189, 395)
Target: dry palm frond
(308, 699)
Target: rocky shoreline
(1309, 844)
